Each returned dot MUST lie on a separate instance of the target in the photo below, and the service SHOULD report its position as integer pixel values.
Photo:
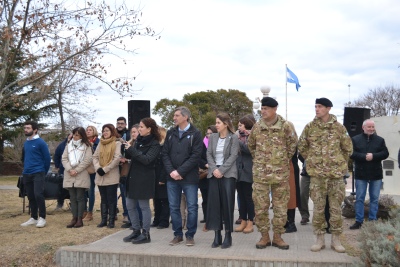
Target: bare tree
(383, 101)
(41, 29)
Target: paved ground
(112, 251)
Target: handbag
(202, 173)
(90, 169)
(125, 169)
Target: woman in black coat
(141, 178)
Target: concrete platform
(112, 251)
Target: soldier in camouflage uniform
(272, 143)
(326, 146)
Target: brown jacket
(112, 170)
(82, 180)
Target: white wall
(389, 129)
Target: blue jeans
(122, 190)
(90, 194)
(373, 191)
(174, 197)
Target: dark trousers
(161, 211)
(204, 196)
(34, 188)
(246, 205)
(77, 198)
(221, 193)
(108, 194)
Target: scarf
(107, 150)
(143, 140)
(205, 141)
(76, 152)
(243, 136)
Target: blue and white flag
(292, 78)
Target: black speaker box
(137, 110)
(354, 118)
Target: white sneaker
(31, 221)
(41, 223)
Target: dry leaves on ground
(31, 246)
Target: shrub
(380, 242)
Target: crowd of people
(259, 161)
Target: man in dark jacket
(57, 158)
(181, 156)
(369, 150)
(126, 136)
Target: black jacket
(183, 154)
(142, 175)
(161, 177)
(363, 144)
(244, 163)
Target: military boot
(264, 242)
(319, 244)
(278, 242)
(336, 245)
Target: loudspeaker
(137, 110)
(354, 118)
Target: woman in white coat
(76, 158)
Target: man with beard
(126, 136)
(36, 159)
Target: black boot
(132, 236)
(111, 219)
(227, 240)
(217, 240)
(143, 238)
(104, 215)
(290, 225)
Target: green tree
(205, 105)
(25, 104)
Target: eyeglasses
(121, 123)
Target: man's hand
(175, 175)
(73, 172)
(369, 156)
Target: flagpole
(286, 87)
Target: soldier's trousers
(335, 190)
(280, 199)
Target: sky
(245, 44)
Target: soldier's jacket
(326, 146)
(272, 148)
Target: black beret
(269, 102)
(324, 101)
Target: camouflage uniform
(272, 148)
(326, 146)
